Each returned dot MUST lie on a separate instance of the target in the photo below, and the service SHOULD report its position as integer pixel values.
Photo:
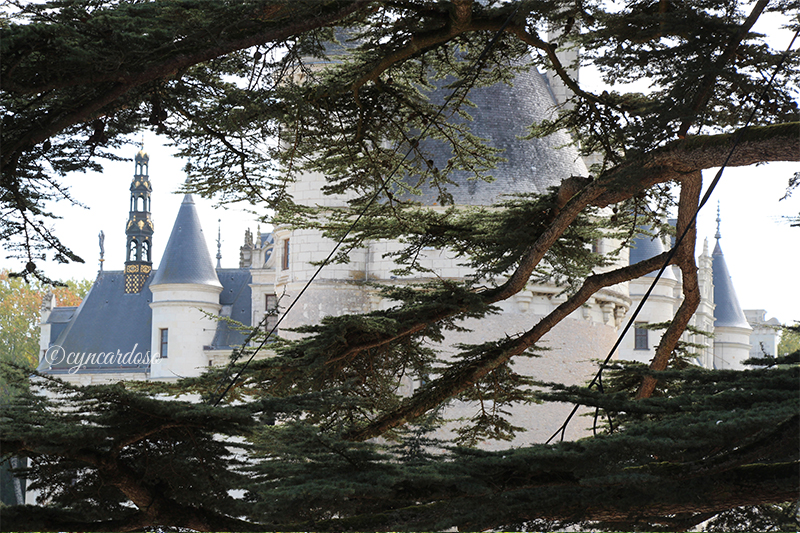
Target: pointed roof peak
(727, 311)
(186, 259)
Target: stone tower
(640, 344)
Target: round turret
(502, 117)
(186, 292)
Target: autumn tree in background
(790, 340)
(20, 308)
(221, 78)
(20, 313)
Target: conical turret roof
(646, 247)
(186, 258)
(728, 312)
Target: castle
(159, 324)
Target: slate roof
(186, 258)
(235, 299)
(645, 247)
(503, 114)
(107, 321)
(728, 312)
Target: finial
(141, 143)
(258, 236)
(718, 236)
(102, 238)
(219, 243)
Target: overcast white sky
(761, 249)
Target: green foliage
(256, 93)
(726, 430)
(176, 448)
(20, 304)
(781, 517)
(790, 340)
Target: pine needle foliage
(318, 434)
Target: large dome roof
(502, 115)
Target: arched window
(146, 250)
(132, 249)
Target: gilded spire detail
(139, 229)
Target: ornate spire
(139, 230)
(219, 243)
(718, 236)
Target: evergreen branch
(529, 493)
(458, 378)
(123, 84)
(684, 256)
(42, 518)
(452, 26)
(708, 83)
(780, 142)
(674, 163)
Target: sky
(761, 249)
